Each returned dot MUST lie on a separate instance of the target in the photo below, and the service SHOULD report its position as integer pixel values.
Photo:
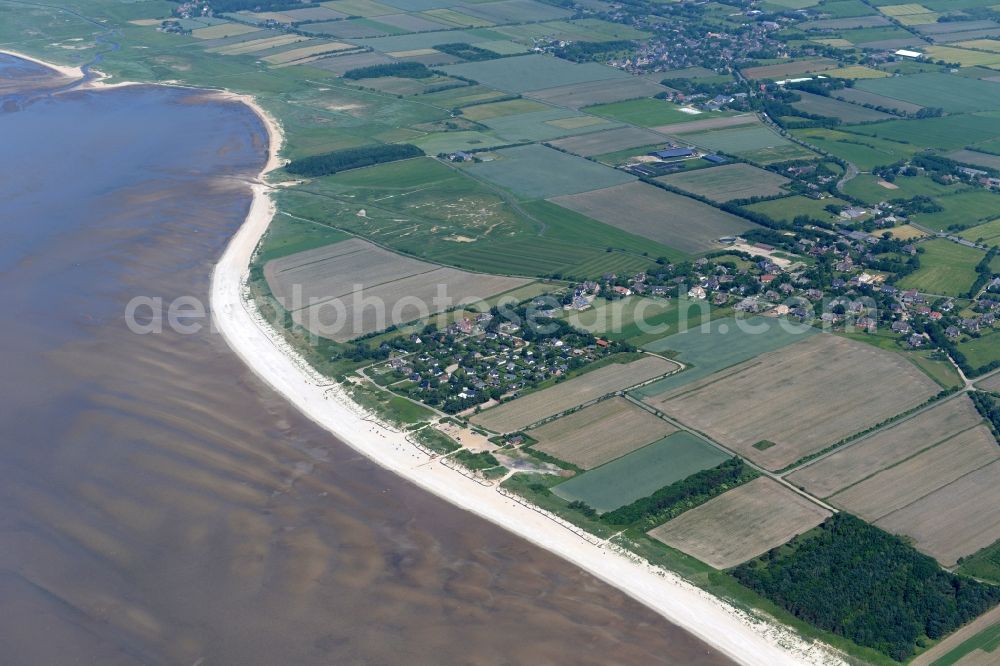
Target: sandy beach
(741, 636)
(64, 70)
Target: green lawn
(946, 268)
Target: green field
(756, 143)
(867, 188)
(987, 640)
(961, 210)
(946, 268)
(648, 112)
(642, 472)
(476, 228)
(988, 233)
(947, 133)
(864, 152)
(537, 172)
(954, 94)
(532, 72)
(788, 208)
(726, 342)
(834, 108)
(982, 350)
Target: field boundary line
(910, 457)
(854, 440)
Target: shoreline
(735, 633)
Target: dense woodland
(404, 70)
(350, 158)
(466, 52)
(672, 500)
(857, 581)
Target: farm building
(673, 153)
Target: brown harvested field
(351, 288)
(598, 143)
(339, 64)
(990, 383)
(665, 217)
(907, 482)
(741, 524)
(579, 95)
(793, 68)
(532, 408)
(707, 124)
(729, 182)
(887, 447)
(802, 398)
(955, 521)
(600, 433)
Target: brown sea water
(158, 504)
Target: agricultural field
(715, 121)
(720, 343)
(648, 112)
(222, 30)
(907, 232)
(862, 97)
(864, 152)
(886, 448)
(956, 520)
(790, 69)
(527, 410)
(785, 405)
(872, 189)
(833, 108)
(544, 125)
(537, 172)
(322, 288)
(985, 234)
(904, 483)
(642, 472)
(991, 383)
(982, 350)
(532, 72)
(658, 215)
(946, 268)
(755, 143)
(579, 95)
(729, 182)
(975, 158)
(964, 57)
(947, 133)
(788, 208)
(740, 524)
(338, 64)
(954, 94)
(608, 141)
(600, 433)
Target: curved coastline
(737, 634)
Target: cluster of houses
(472, 362)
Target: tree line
(405, 70)
(351, 158)
(670, 501)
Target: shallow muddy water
(158, 504)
